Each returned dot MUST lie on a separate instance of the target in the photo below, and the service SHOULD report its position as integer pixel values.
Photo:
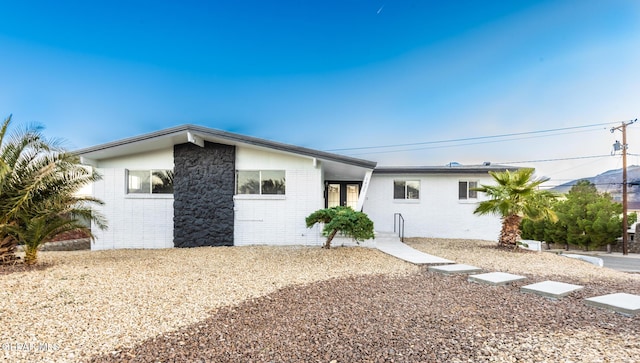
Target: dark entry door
(343, 193)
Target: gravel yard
(307, 304)
(91, 302)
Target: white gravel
(90, 302)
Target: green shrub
(345, 220)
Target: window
(406, 189)
(465, 190)
(333, 195)
(261, 182)
(156, 181)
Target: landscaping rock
(300, 304)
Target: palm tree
(515, 196)
(11, 200)
(38, 192)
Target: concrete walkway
(391, 245)
(626, 304)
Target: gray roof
(446, 169)
(178, 134)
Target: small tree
(533, 229)
(356, 225)
(586, 218)
(545, 229)
(592, 218)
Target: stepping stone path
(551, 289)
(496, 278)
(623, 303)
(455, 269)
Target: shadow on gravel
(18, 266)
(510, 249)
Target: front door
(342, 193)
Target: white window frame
(406, 197)
(144, 195)
(469, 192)
(260, 194)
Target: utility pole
(625, 220)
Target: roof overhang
(458, 169)
(198, 135)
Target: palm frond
(39, 182)
(513, 196)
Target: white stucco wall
(135, 221)
(438, 213)
(277, 219)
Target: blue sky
(335, 74)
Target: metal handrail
(398, 220)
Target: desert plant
(38, 191)
(351, 223)
(515, 196)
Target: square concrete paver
(455, 269)
(624, 303)
(496, 278)
(551, 289)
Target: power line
(548, 186)
(558, 159)
(473, 138)
(577, 166)
(466, 144)
(505, 137)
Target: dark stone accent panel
(203, 188)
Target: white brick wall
(134, 222)
(438, 212)
(146, 221)
(279, 220)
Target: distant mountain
(611, 182)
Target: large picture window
(465, 190)
(156, 181)
(260, 182)
(406, 189)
